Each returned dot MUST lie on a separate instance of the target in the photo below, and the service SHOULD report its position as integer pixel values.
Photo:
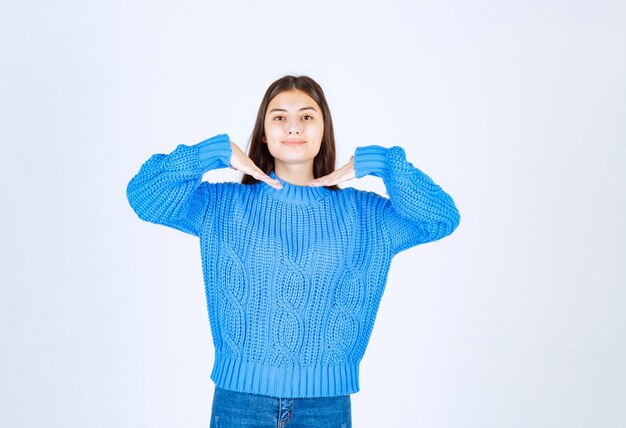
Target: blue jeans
(241, 410)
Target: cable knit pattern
(293, 277)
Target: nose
(293, 128)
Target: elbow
(455, 219)
(452, 222)
(137, 203)
(447, 225)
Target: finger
(344, 173)
(272, 182)
(338, 178)
(261, 176)
(249, 167)
(329, 180)
(333, 175)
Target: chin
(293, 160)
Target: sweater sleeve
(417, 210)
(168, 189)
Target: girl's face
(294, 128)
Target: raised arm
(418, 210)
(168, 189)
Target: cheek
(273, 126)
(320, 131)
(268, 130)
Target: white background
(516, 108)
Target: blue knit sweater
(293, 277)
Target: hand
(241, 162)
(340, 175)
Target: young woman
(294, 266)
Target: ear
(263, 139)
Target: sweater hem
(285, 382)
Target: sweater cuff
(370, 160)
(215, 152)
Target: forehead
(293, 99)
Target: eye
(279, 118)
(308, 117)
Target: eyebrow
(282, 109)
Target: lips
(294, 142)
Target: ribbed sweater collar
(295, 194)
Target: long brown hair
(324, 162)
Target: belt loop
(285, 410)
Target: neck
(298, 174)
(295, 194)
